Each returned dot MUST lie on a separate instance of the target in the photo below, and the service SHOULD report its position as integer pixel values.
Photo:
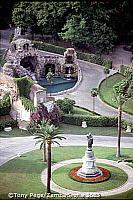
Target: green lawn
(22, 175)
(106, 93)
(78, 130)
(68, 183)
(71, 129)
(16, 132)
(83, 111)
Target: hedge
(82, 56)
(49, 47)
(94, 121)
(8, 123)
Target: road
(13, 147)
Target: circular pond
(58, 84)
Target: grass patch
(22, 175)
(68, 183)
(78, 130)
(82, 111)
(71, 129)
(16, 132)
(107, 95)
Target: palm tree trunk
(119, 131)
(44, 152)
(49, 167)
(106, 80)
(93, 103)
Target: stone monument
(89, 168)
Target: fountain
(69, 74)
(89, 168)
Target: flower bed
(105, 176)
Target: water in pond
(58, 84)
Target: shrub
(53, 115)
(5, 105)
(8, 123)
(66, 105)
(123, 68)
(126, 123)
(95, 121)
(107, 64)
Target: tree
(103, 37)
(49, 78)
(75, 30)
(106, 72)
(48, 132)
(120, 99)
(23, 15)
(94, 93)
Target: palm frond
(38, 137)
(56, 142)
(38, 142)
(41, 145)
(58, 137)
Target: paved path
(119, 56)
(12, 147)
(123, 188)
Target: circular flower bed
(105, 176)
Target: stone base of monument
(89, 168)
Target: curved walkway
(123, 188)
(92, 74)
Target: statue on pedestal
(90, 140)
(89, 168)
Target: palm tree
(49, 78)
(94, 93)
(48, 132)
(106, 72)
(39, 131)
(120, 100)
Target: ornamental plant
(105, 176)
(53, 116)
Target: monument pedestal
(89, 168)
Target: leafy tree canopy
(94, 22)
